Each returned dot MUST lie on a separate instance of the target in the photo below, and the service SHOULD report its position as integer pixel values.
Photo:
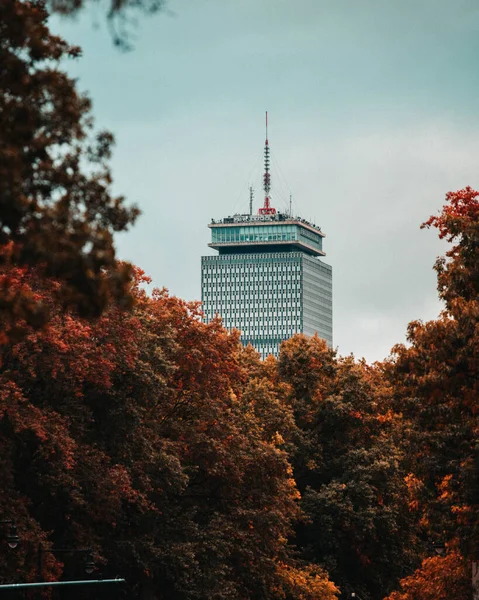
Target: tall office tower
(268, 280)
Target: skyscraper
(268, 280)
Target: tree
(438, 578)
(120, 15)
(138, 435)
(57, 212)
(348, 469)
(436, 380)
(115, 7)
(458, 277)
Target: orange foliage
(438, 578)
(305, 584)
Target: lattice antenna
(251, 196)
(267, 209)
(266, 177)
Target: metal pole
(39, 562)
(17, 586)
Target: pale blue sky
(373, 118)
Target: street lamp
(439, 548)
(13, 540)
(89, 562)
(12, 537)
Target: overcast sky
(373, 118)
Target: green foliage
(348, 470)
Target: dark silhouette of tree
(112, 7)
(121, 16)
(57, 212)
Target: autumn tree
(438, 578)
(348, 469)
(57, 212)
(436, 381)
(140, 436)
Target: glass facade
(317, 298)
(259, 294)
(268, 296)
(265, 233)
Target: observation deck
(278, 232)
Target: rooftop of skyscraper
(267, 231)
(265, 218)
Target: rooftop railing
(278, 217)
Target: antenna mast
(251, 196)
(267, 209)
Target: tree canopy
(57, 212)
(436, 379)
(196, 497)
